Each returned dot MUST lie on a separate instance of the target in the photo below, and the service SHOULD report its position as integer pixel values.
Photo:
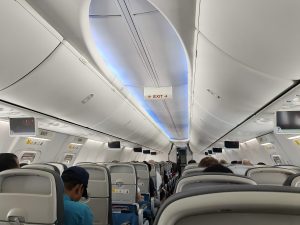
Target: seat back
(269, 175)
(204, 180)
(143, 177)
(290, 167)
(42, 166)
(59, 166)
(31, 196)
(124, 183)
(192, 171)
(239, 169)
(234, 205)
(99, 192)
(191, 166)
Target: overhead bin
(26, 40)
(261, 34)
(67, 87)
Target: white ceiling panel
(138, 6)
(115, 45)
(24, 44)
(58, 86)
(104, 8)
(242, 91)
(166, 51)
(263, 34)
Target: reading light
(294, 137)
(268, 143)
(75, 144)
(41, 139)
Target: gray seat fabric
(191, 166)
(290, 167)
(124, 183)
(234, 205)
(99, 191)
(143, 177)
(239, 169)
(33, 196)
(42, 166)
(269, 175)
(192, 171)
(204, 180)
(293, 180)
(60, 166)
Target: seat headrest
(206, 180)
(269, 175)
(192, 171)
(42, 166)
(229, 203)
(34, 195)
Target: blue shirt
(76, 213)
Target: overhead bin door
(25, 41)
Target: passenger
(76, 181)
(247, 162)
(192, 161)
(223, 162)
(208, 161)
(218, 168)
(8, 161)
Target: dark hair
(234, 162)
(191, 161)
(218, 168)
(208, 161)
(261, 163)
(70, 181)
(8, 161)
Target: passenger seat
(269, 175)
(31, 196)
(99, 192)
(234, 205)
(205, 180)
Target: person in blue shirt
(75, 183)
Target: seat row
(113, 191)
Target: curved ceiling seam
(237, 60)
(108, 76)
(88, 50)
(29, 73)
(212, 115)
(44, 23)
(193, 78)
(188, 60)
(135, 35)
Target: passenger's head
(223, 161)
(8, 161)
(218, 168)
(261, 163)
(208, 161)
(191, 161)
(76, 182)
(234, 162)
(247, 162)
